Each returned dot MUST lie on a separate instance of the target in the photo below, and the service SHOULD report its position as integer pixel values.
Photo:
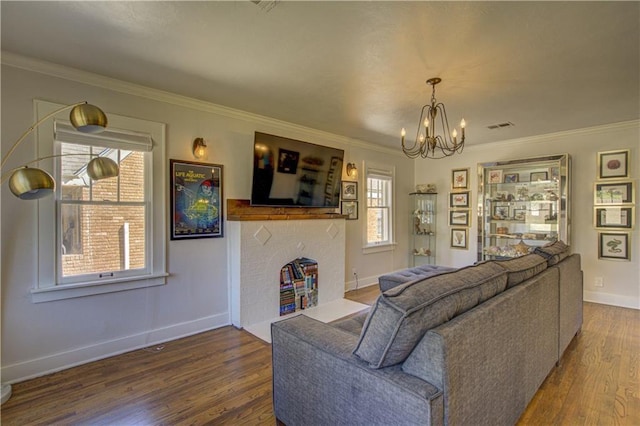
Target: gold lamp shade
(102, 168)
(30, 183)
(87, 118)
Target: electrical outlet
(598, 282)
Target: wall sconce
(199, 148)
(352, 170)
(33, 183)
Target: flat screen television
(292, 173)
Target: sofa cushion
(522, 268)
(401, 316)
(554, 252)
(389, 281)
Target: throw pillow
(554, 252)
(522, 268)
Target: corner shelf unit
(423, 228)
(523, 204)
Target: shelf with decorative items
(423, 228)
(523, 204)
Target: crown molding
(595, 130)
(108, 83)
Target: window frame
(46, 287)
(384, 172)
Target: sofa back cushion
(402, 315)
(554, 252)
(522, 268)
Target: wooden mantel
(241, 210)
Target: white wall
(621, 279)
(44, 337)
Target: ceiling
(358, 69)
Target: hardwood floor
(224, 377)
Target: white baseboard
(611, 299)
(362, 282)
(30, 369)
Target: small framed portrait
(614, 217)
(349, 209)
(511, 177)
(459, 217)
(459, 238)
(460, 179)
(537, 176)
(613, 246)
(459, 199)
(500, 212)
(613, 164)
(621, 192)
(196, 200)
(349, 190)
(519, 214)
(494, 176)
(288, 161)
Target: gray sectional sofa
(468, 346)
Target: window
(379, 217)
(107, 235)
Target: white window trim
(381, 247)
(45, 288)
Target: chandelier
(429, 144)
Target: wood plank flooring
(224, 377)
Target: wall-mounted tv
(288, 172)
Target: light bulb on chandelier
(429, 144)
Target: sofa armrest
(317, 380)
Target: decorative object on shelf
(196, 200)
(33, 183)
(459, 238)
(613, 164)
(349, 190)
(621, 192)
(349, 209)
(521, 248)
(460, 179)
(422, 251)
(459, 199)
(614, 217)
(426, 188)
(537, 176)
(459, 217)
(352, 170)
(495, 176)
(199, 148)
(430, 144)
(511, 177)
(614, 246)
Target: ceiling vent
(501, 125)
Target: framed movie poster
(196, 200)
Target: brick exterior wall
(101, 229)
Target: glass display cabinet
(523, 204)
(423, 228)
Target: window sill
(378, 248)
(49, 294)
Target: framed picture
(288, 161)
(615, 217)
(196, 200)
(459, 238)
(621, 192)
(554, 173)
(613, 246)
(460, 179)
(349, 209)
(349, 190)
(511, 177)
(519, 214)
(459, 217)
(536, 176)
(459, 199)
(500, 212)
(613, 164)
(494, 176)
